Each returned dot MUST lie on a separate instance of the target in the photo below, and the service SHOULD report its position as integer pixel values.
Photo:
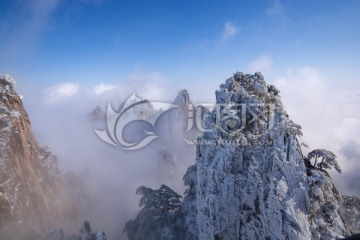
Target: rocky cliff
(30, 183)
(256, 189)
(249, 180)
(350, 210)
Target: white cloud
(151, 86)
(261, 64)
(25, 27)
(311, 104)
(329, 117)
(60, 92)
(229, 31)
(277, 9)
(102, 87)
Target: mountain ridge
(259, 188)
(30, 178)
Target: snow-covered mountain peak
(249, 180)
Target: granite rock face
(258, 187)
(325, 216)
(30, 181)
(350, 211)
(249, 180)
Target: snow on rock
(325, 217)
(86, 234)
(350, 211)
(250, 180)
(160, 217)
(29, 177)
(261, 190)
(257, 190)
(189, 209)
(8, 80)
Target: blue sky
(68, 55)
(88, 41)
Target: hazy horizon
(70, 56)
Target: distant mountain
(250, 179)
(169, 121)
(85, 234)
(97, 114)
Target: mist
(329, 117)
(61, 119)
